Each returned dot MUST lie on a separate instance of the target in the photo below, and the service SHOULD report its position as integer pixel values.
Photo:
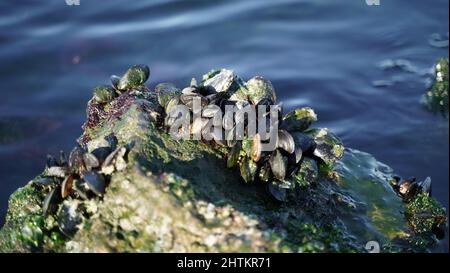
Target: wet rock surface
(179, 196)
(436, 98)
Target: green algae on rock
(169, 197)
(436, 99)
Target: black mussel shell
(101, 153)
(278, 164)
(286, 141)
(95, 181)
(51, 201)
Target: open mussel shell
(136, 76)
(95, 182)
(285, 141)
(66, 186)
(278, 165)
(51, 201)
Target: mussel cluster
(83, 176)
(409, 188)
(299, 153)
(107, 100)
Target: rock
(179, 196)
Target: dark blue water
(320, 53)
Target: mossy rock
(179, 196)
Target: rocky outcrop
(179, 196)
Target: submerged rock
(436, 99)
(179, 196)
